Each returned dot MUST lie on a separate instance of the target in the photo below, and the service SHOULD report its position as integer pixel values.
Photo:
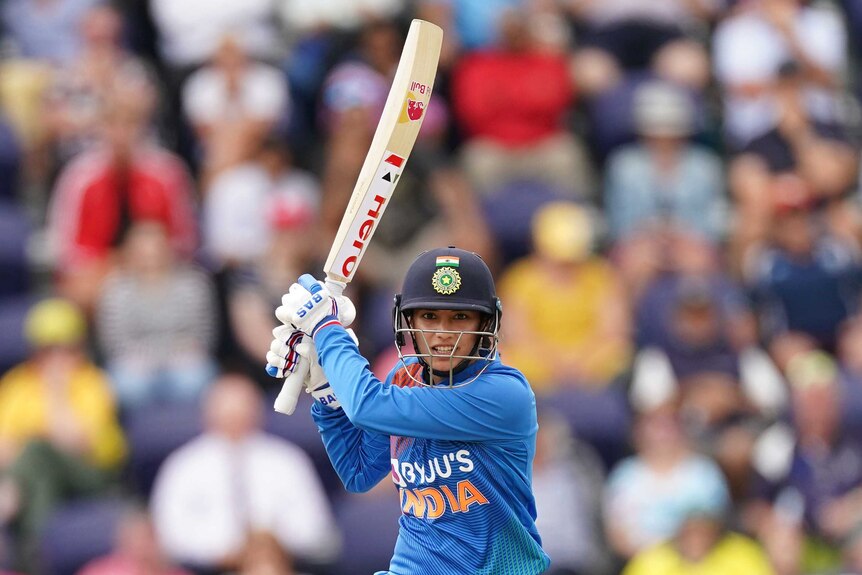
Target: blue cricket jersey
(460, 457)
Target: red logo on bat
(415, 109)
(394, 160)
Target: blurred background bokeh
(668, 192)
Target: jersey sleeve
(360, 458)
(489, 408)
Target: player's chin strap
(487, 332)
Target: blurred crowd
(668, 192)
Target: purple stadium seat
(509, 212)
(153, 433)
(369, 525)
(13, 346)
(14, 264)
(600, 417)
(78, 532)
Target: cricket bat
(390, 147)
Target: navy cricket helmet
(449, 279)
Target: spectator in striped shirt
(157, 321)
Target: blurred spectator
(803, 277)
(817, 153)
(304, 18)
(242, 205)
(100, 73)
(59, 435)
(254, 482)
(799, 139)
(190, 31)
(585, 339)
(470, 26)
(725, 393)
(156, 321)
(701, 546)
(233, 103)
(567, 484)
(103, 191)
(663, 182)
(850, 373)
(512, 102)
(691, 271)
(752, 44)
(263, 555)
(697, 344)
(45, 30)
(620, 36)
(649, 495)
(136, 551)
(811, 468)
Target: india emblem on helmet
(446, 280)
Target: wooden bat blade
(390, 148)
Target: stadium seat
(509, 212)
(369, 526)
(153, 433)
(78, 532)
(601, 417)
(14, 265)
(13, 346)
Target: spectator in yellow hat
(59, 434)
(583, 341)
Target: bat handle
(291, 388)
(334, 287)
(308, 282)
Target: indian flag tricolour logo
(451, 261)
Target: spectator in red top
(511, 103)
(103, 191)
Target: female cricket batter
(453, 427)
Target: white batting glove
(317, 309)
(296, 356)
(282, 358)
(298, 295)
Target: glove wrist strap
(325, 396)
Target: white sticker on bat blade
(374, 201)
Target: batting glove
(318, 309)
(282, 358)
(294, 354)
(297, 295)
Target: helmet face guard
(485, 349)
(448, 279)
